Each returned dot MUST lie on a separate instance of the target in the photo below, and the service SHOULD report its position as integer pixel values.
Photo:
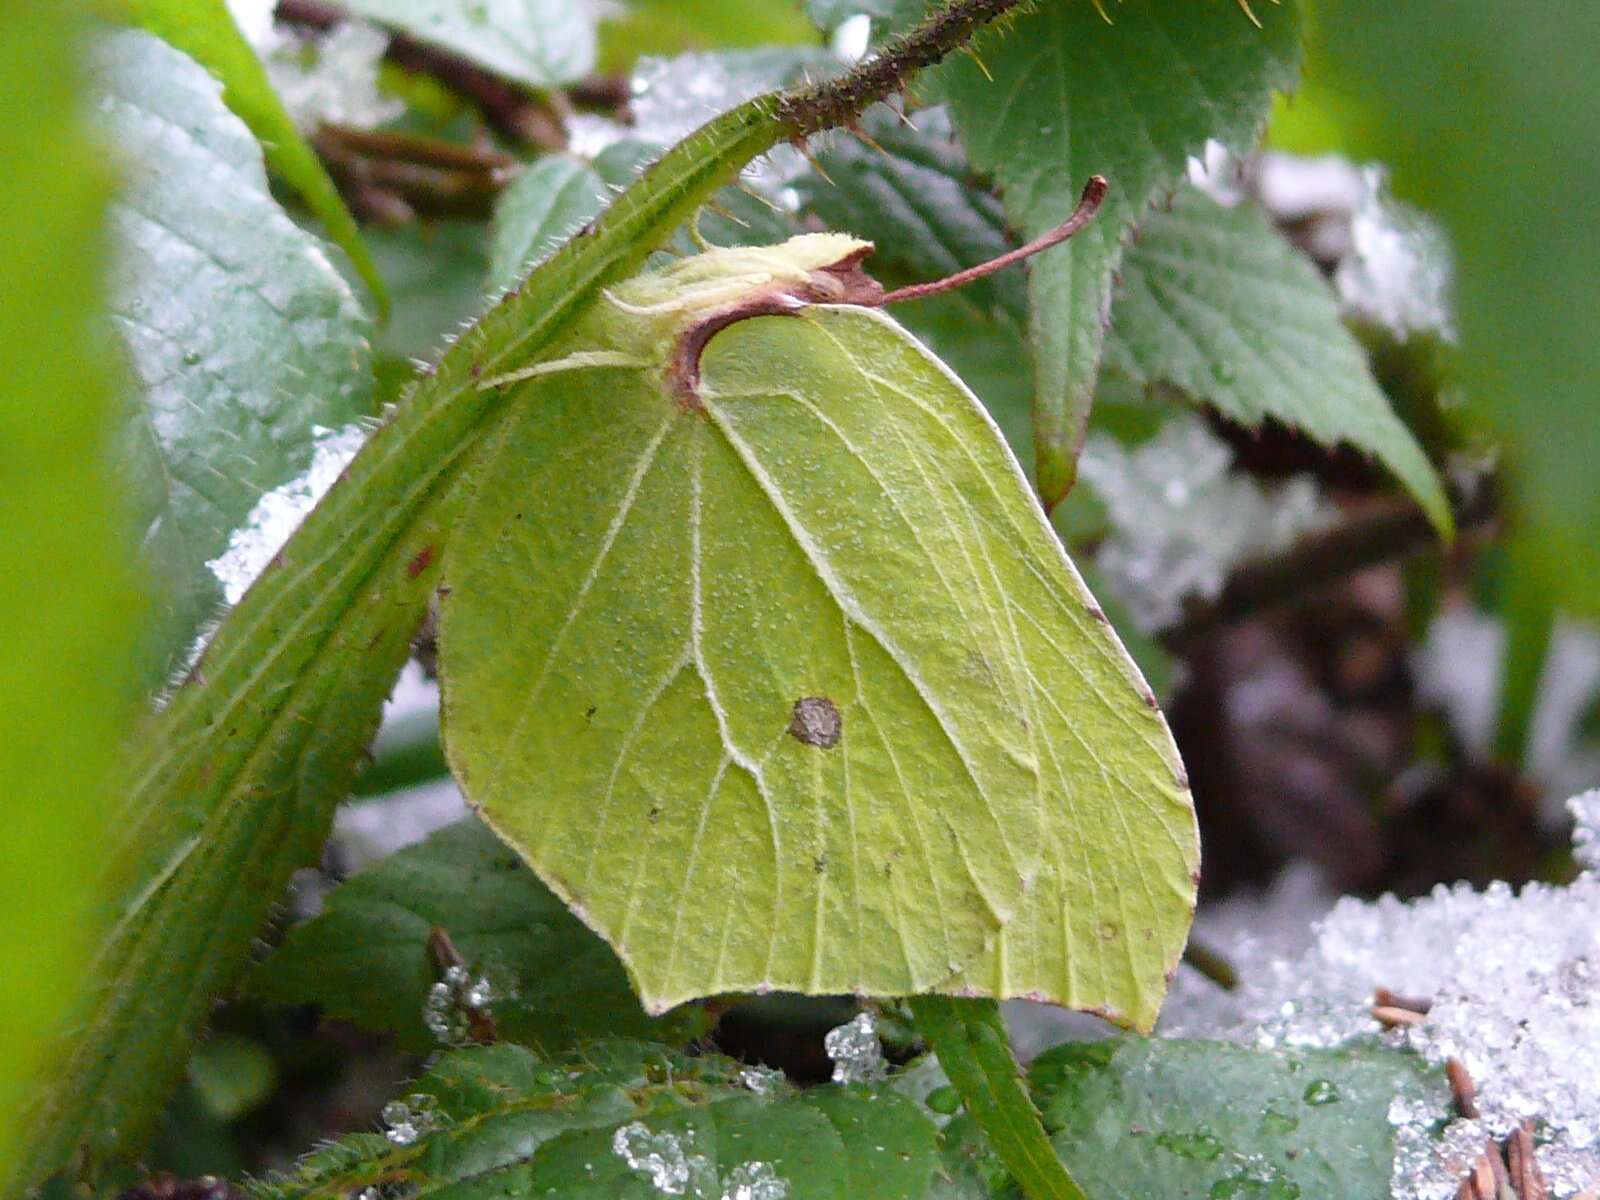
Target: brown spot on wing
(815, 721)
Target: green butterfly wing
(795, 689)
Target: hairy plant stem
(969, 1039)
(232, 786)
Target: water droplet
(1252, 1185)
(945, 1100)
(1198, 1145)
(1274, 1121)
(1322, 1091)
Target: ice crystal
(1181, 520)
(852, 38)
(273, 519)
(674, 1168)
(668, 1159)
(1457, 669)
(1514, 981)
(763, 1081)
(406, 1121)
(1274, 925)
(333, 78)
(453, 1002)
(1585, 810)
(1295, 188)
(754, 1181)
(857, 1055)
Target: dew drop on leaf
(944, 1100)
(1322, 1091)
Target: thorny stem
(840, 101)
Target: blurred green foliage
(1487, 112)
(67, 605)
(204, 30)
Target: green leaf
(240, 334)
(789, 685)
(534, 42)
(545, 205)
(1487, 117)
(1186, 1120)
(1178, 1119)
(67, 610)
(233, 784)
(1214, 301)
(638, 27)
(991, 355)
(501, 1121)
(888, 1154)
(205, 30)
(1063, 95)
(436, 271)
(555, 981)
(970, 1040)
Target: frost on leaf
(275, 516)
(675, 1168)
(665, 1159)
(674, 96)
(405, 1122)
(855, 1050)
(454, 1003)
(1514, 984)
